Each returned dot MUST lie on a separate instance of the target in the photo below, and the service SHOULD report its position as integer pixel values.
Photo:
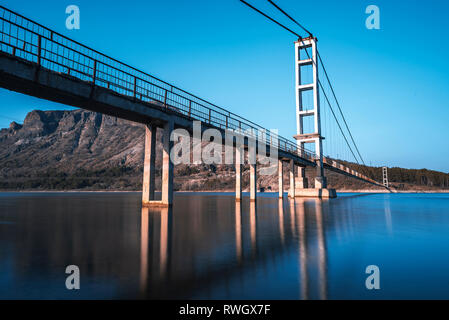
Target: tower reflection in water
(306, 221)
(183, 253)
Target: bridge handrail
(98, 61)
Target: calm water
(209, 248)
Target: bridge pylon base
(301, 183)
(316, 193)
(155, 204)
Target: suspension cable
(338, 104)
(288, 16)
(314, 62)
(268, 17)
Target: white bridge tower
(306, 63)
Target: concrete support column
(238, 173)
(281, 178)
(291, 192)
(253, 180)
(167, 166)
(320, 183)
(148, 184)
(320, 180)
(301, 181)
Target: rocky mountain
(86, 150)
(69, 140)
(73, 150)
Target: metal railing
(33, 42)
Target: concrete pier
(316, 193)
(321, 191)
(148, 184)
(320, 183)
(291, 192)
(167, 166)
(238, 173)
(301, 181)
(281, 178)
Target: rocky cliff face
(86, 150)
(69, 140)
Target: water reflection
(306, 250)
(300, 211)
(281, 220)
(238, 230)
(144, 249)
(306, 237)
(322, 253)
(157, 240)
(163, 241)
(252, 223)
(209, 247)
(388, 220)
(292, 216)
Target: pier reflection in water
(209, 246)
(198, 270)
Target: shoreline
(393, 191)
(367, 191)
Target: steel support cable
(325, 95)
(338, 104)
(268, 17)
(325, 72)
(271, 19)
(319, 82)
(288, 16)
(328, 130)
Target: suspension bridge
(37, 61)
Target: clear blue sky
(392, 83)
